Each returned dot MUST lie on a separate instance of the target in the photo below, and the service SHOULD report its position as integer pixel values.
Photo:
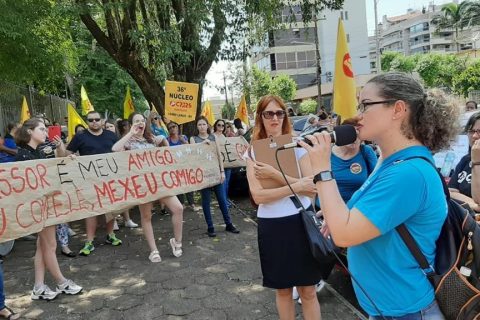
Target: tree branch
(98, 34)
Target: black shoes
(211, 233)
(231, 228)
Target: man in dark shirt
(93, 141)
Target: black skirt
(285, 255)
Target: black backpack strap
(365, 158)
(410, 242)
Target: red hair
(259, 129)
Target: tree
(228, 111)
(458, 16)
(404, 63)
(284, 86)
(36, 47)
(261, 82)
(468, 80)
(308, 106)
(179, 39)
(438, 70)
(387, 58)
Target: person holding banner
(203, 135)
(219, 128)
(285, 256)
(140, 137)
(176, 139)
(93, 141)
(30, 136)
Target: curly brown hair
(433, 114)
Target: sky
(384, 7)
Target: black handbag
(322, 248)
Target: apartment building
(413, 33)
(292, 50)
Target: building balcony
(389, 41)
(441, 40)
(419, 44)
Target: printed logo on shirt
(355, 168)
(462, 176)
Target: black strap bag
(322, 248)
(456, 271)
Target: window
(273, 65)
(341, 15)
(291, 60)
(348, 38)
(346, 15)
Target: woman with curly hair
(408, 123)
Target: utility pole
(225, 87)
(377, 40)
(318, 65)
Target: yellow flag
(207, 112)
(25, 113)
(242, 112)
(128, 107)
(344, 88)
(74, 119)
(86, 105)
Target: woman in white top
(281, 235)
(141, 137)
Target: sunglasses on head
(94, 119)
(270, 114)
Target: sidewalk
(216, 278)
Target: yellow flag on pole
(128, 107)
(242, 112)
(344, 88)
(25, 113)
(74, 119)
(207, 112)
(86, 104)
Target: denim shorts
(432, 312)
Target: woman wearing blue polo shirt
(405, 121)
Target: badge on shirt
(355, 168)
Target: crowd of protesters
(355, 193)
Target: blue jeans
(222, 202)
(432, 312)
(2, 293)
(226, 183)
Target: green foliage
(387, 58)
(468, 80)
(284, 86)
(228, 111)
(437, 70)
(308, 106)
(261, 82)
(35, 44)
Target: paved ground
(215, 278)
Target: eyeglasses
(472, 132)
(363, 106)
(94, 119)
(270, 114)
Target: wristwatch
(323, 176)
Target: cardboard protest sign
(232, 150)
(39, 193)
(181, 101)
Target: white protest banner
(232, 150)
(39, 193)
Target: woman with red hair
(281, 235)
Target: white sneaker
(319, 286)
(69, 287)
(299, 300)
(295, 294)
(71, 233)
(131, 224)
(43, 293)
(115, 226)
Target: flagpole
(318, 65)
